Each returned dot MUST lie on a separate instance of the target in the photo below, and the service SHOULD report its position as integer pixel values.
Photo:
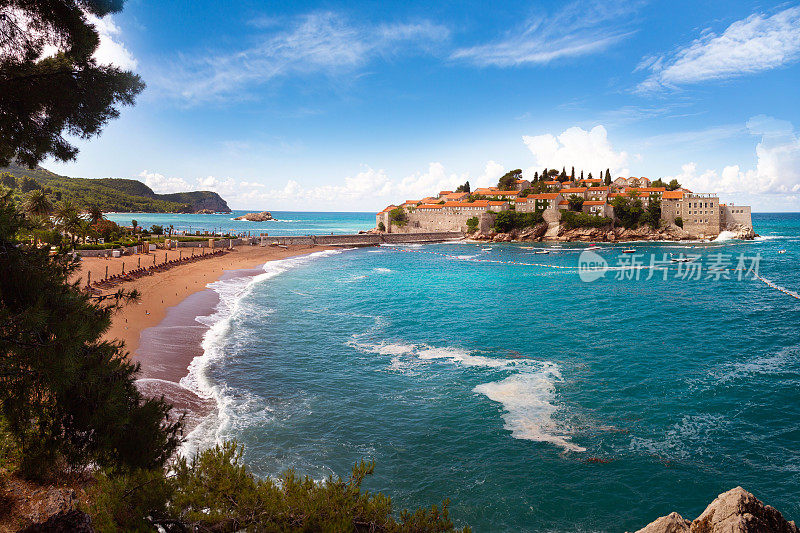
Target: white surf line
(778, 287)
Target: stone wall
(367, 239)
(735, 214)
(423, 222)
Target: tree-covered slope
(114, 194)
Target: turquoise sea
(534, 400)
(285, 223)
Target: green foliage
(42, 97)
(122, 501)
(381, 226)
(119, 195)
(575, 202)
(216, 492)
(652, 215)
(27, 184)
(398, 216)
(463, 188)
(509, 220)
(607, 180)
(68, 396)
(628, 210)
(507, 181)
(679, 221)
(472, 224)
(673, 185)
(572, 219)
(155, 229)
(563, 176)
(8, 180)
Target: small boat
(680, 259)
(593, 247)
(629, 251)
(781, 251)
(541, 252)
(486, 249)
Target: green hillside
(113, 194)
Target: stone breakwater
(735, 511)
(545, 232)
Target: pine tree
(572, 174)
(608, 177)
(42, 96)
(581, 175)
(68, 396)
(535, 177)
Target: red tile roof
(672, 195)
(594, 202)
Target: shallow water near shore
(499, 379)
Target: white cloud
(586, 150)
(747, 46)
(777, 170)
(579, 28)
(162, 184)
(111, 51)
(317, 43)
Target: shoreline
(164, 290)
(161, 331)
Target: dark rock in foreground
(72, 521)
(735, 511)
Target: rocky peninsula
(610, 233)
(263, 216)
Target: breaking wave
(228, 406)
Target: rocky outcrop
(735, 511)
(72, 521)
(554, 232)
(256, 217)
(742, 231)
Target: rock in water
(256, 217)
(735, 511)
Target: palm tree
(37, 204)
(95, 213)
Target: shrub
(398, 216)
(628, 210)
(509, 220)
(679, 221)
(381, 226)
(572, 219)
(472, 224)
(216, 492)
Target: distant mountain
(115, 194)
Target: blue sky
(349, 106)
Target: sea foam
(528, 395)
(230, 292)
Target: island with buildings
(562, 208)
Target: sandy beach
(166, 289)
